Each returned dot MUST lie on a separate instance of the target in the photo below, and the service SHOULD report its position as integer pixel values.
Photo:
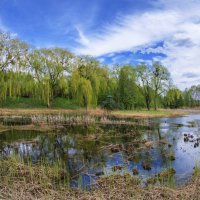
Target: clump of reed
(16, 120)
(63, 119)
(166, 177)
(196, 172)
(42, 173)
(22, 181)
(41, 177)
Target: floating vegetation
(116, 168)
(146, 165)
(188, 137)
(164, 177)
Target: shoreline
(99, 112)
(57, 119)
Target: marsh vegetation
(136, 159)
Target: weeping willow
(62, 87)
(84, 93)
(46, 91)
(81, 89)
(3, 88)
(45, 74)
(94, 79)
(95, 84)
(16, 84)
(19, 84)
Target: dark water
(86, 151)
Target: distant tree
(3, 87)
(81, 89)
(195, 93)
(109, 103)
(191, 96)
(49, 67)
(13, 53)
(160, 81)
(127, 88)
(173, 98)
(96, 76)
(144, 78)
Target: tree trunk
(155, 103)
(147, 103)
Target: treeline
(45, 74)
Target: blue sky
(114, 31)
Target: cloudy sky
(114, 31)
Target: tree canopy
(48, 73)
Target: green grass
(196, 171)
(28, 103)
(22, 103)
(148, 113)
(64, 104)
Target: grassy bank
(30, 106)
(31, 103)
(152, 113)
(119, 113)
(45, 119)
(19, 181)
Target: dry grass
(23, 182)
(27, 112)
(98, 112)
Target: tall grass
(20, 181)
(15, 170)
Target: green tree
(81, 89)
(52, 65)
(127, 89)
(174, 98)
(144, 78)
(95, 77)
(160, 81)
(13, 53)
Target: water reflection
(87, 152)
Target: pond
(88, 152)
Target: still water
(89, 152)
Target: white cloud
(82, 38)
(132, 32)
(175, 22)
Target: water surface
(86, 152)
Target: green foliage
(144, 78)
(192, 96)
(89, 82)
(22, 102)
(54, 76)
(109, 103)
(160, 81)
(174, 98)
(64, 103)
(127, 89)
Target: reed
(21, 180)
